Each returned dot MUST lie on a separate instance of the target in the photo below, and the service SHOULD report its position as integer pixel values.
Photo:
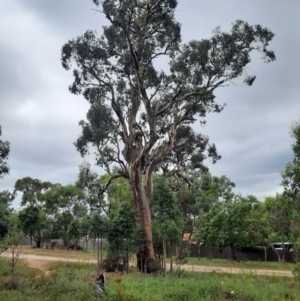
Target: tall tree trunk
(142, 194)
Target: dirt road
(195, 268)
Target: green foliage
(203, 287)
(165, 209)
(121, 234)
(11, 242)
(118, 192)
(280, 210)
(98, 226)
(229, 223)
(296, 267)
(140, 118)
(167, 220)
(138, 34)
(190, 154)
(74, 231)
(33, 222)
(30, 219)
(32, 190)
(63, 204)
(5, 201)
(86, 178)
(197, 200)
(67, 198)
(184, 250)
(4, 152)
(291, 174)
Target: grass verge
(242, 264)
(73, 281)
(197, 287)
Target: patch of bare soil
(41, 265)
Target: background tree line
(200, 204)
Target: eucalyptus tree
(205, 190)
(32, 190)
(137, 111)
(74, 232)
(85, 177)
(32, 221)
(65, 203)
(4, 152)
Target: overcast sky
(39, 117)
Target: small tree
(166, 215)
(30, 219)
(11, 242)
(121, 236)
(74, 232)
(85, 229)
(281, 211)
(85, 178)
(66, 203)
(98, 230)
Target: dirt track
(196, 268)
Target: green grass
(242, 264)
(208, 287)
(73, 281)
(22, 272)
(67, 281)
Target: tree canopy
(140, 118)
(32, 190)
